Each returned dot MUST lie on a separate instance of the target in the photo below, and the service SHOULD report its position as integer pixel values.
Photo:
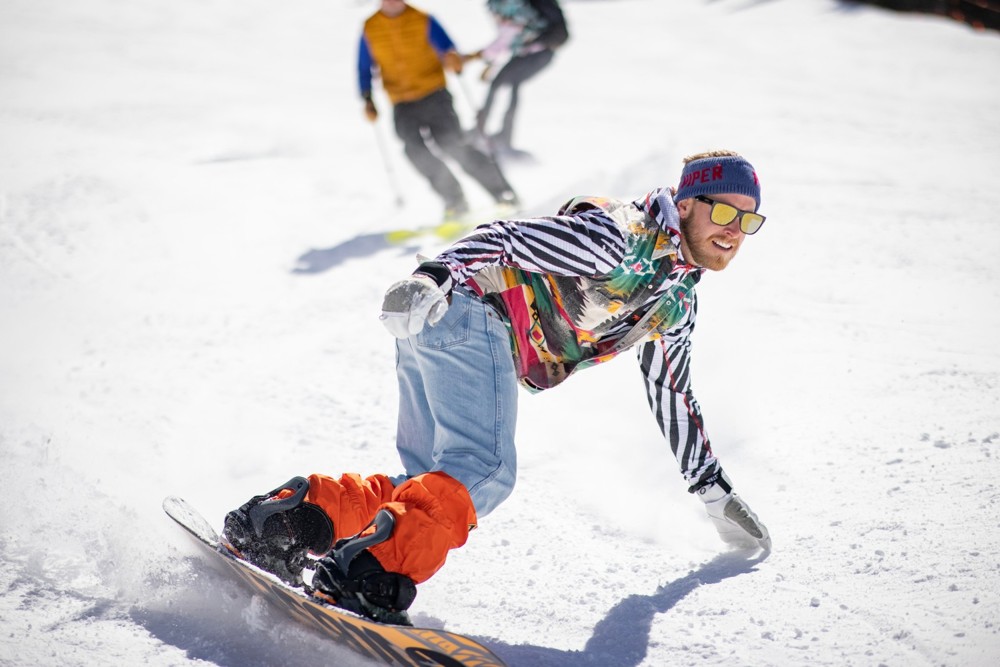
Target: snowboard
(381, 643)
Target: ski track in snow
(192, 260)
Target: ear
(684, 206)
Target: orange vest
(400, 46)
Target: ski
(451, 228)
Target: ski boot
(352, 578)
(455, 211)
(275, 533)
(507, 204)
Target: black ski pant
(432, 121)
(517, 70)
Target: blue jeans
(458, 402)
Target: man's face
(705, 243)
(392, 8)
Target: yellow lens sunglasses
(723, 214)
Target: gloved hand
(418, 300)
(736, 522)
(371, 113)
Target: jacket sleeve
(438, 38)
(555, 33)
(666, 370)
(507, 33)
(588, 243)
(365, 64)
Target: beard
(698, 244)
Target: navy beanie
(726, 174)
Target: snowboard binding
(275, 533)
(353, 579)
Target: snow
(189, 298)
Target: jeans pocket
(453, 329)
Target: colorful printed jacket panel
(529, 25)
(580, 287)
(407, 50)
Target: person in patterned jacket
(529, 301)
(528, 34)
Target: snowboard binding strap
(351, 577)
(260, 512)
(348, 550)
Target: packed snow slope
(190, 281)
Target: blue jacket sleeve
(439, 38)
(364, 68)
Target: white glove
(411, 303)
(736, 522)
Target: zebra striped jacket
(578, 288)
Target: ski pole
(387, 164)
(488, 148)
(466, 95)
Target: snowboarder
(528, 33)
(411, 51)
(529, 301)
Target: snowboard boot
(275, 533)
(353, 579)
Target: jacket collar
(659, 205)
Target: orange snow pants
(434, 514)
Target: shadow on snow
(622, 637)
(362, 246)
